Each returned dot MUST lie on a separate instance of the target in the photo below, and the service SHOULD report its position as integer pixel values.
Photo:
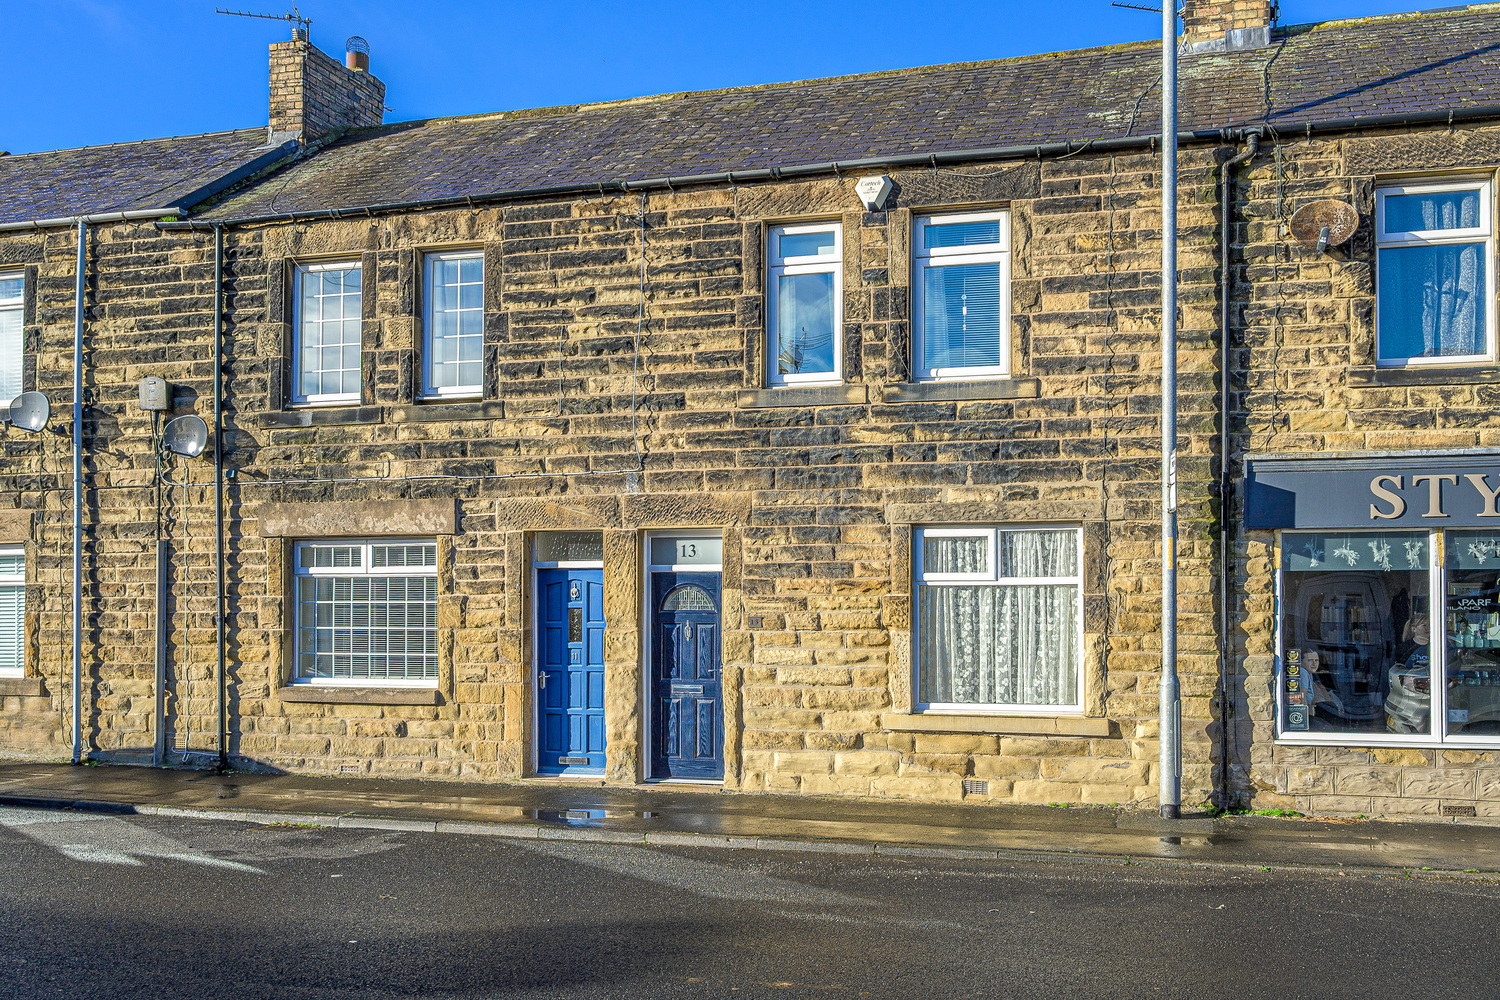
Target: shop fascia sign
(1426, 491)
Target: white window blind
(367, 612)
(961, 292)
(12, 611)
(12, 288)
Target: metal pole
(83, 238)
(159, 745)
(223, 679)
(1170, 712)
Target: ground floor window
(1394, 635)
(999, 618)
(367, 611)
(12, 611)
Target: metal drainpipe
(1226, 481)
(1169, 718)
(78, 289)
(219, 492)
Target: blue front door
(687, 722)
(570, 674)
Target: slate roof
(155, 173)
(1374, 66)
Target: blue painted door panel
(687, 724)
(570, 671)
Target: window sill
(329, 694)
(325, 416)
(804, 395)
(433, 410)
(1000, 388)
(1425, 375)
(1027, 725)
(21, 687)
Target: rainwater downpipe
(1226, 479)
(219, 493)
(78, 290)
(1169, 715)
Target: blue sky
(171, 67)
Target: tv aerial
(301, 26)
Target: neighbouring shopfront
(1387, 597)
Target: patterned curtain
(1000, 644)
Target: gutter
(1033, 151)
(74, 220)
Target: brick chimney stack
(1226, 25)
(313, 95)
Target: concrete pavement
(689, 816)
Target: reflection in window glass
(455, 324)
(820, 244)
(1472, 617)
(1355, 619)
(805, 324)
(803, 341)
(328, 332)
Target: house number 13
(687, 550)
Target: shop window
(999, 622)
(12, 287)
(12, 611)
(328, 339)
(454, 323)
(366, 612)
(804, 298)
(961, 296)
(1435, 281)
(1363, 644)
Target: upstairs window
(328, 337)
(454, 349)
(1435, 282)
(805, 304)
(12, 287)
(961, 296)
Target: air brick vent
(973, 786)
(1458, 811)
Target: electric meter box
(155, 394)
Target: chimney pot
(357, 54)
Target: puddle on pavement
(588, 817)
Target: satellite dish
(30, 411)
(185, 435)
(1324, 224)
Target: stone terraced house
(796, 438)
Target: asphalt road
(129, 908)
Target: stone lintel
(546, 515)
(684, 510)
(439, 410)
(1000, 388)
(15, 526)
(804, 395)
(994, 512)
(312, 416)
(1031, 725)
(357, 518)
(21, 687)
(328, 694)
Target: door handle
(541, 680)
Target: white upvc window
(961, 296)
(12, 611)
(328, 338)
(366, 612)
(1435, 282)
(804, 304)
(999, 619)
(12, 341)
(453, 351)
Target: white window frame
(429, 327)
(16, 305)
(365, 569)
(1437, 624)
(924, 257)
(1439, 237)
(921, 578)
(321, 398)
(803, 264)
(16, 580)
